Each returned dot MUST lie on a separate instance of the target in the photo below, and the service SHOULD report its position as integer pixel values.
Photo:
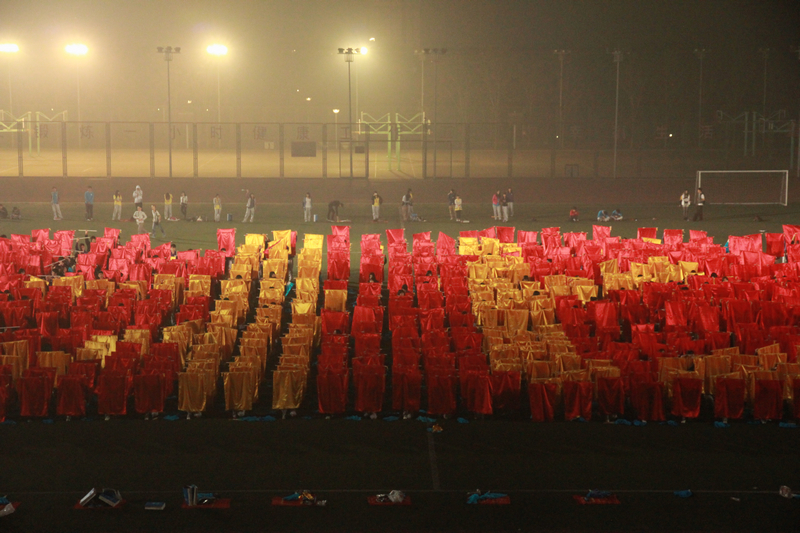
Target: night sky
(499, 61)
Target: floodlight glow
(336, 111)
(372, 39)
(308, 99)
(363, 50)
(217, 49)
(76, 49)
(9, 48)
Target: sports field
(735, 473)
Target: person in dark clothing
(333, 210)
(3, 212)
(701, 200)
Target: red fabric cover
(395, 236)
(71, 398)
(441, 392)
(686, 393)
(647, 233)
(478, 391)
(332, 389)
(673, 237)
(406, 388)
(226, 238)
(34, 395)
(543, 400)
(729, 398)
(611, 396)
(578, 400)
(370, 384)
(647, 399)
(149, 392)
(601, 233)
(87, 370)
(111, 394)
(506, 390)
(524, 237)
(505, 234)
(775, 244)
(768, 402)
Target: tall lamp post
(617, 59)
(336, 133)
(167, 53)
(701, 54)
(218, 50)
(561, 54)
(9, 48)
(78, 50)
(348, 54)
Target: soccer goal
(744, 187)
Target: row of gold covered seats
(290, 379)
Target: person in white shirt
(156, 222)
(184, 204)
(250, 207)
(137, 197)
(139, 216)
(686, 201)
(307, 208)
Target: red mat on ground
(373, 500)
(221, 503)
(597, 501)
(79, 507)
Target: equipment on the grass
(744, 187)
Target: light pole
(421, 54)
(336, 133)
(561, 54)
(77, 50)
(363, 51)
(348, 58)
(218, 50)
(765, 53)
(617, 59)
(167, 52)
(9, 48)
(700, 53)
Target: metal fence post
(424, 150)
(195, 150)
(324, 150)
(152, 150)
(238, 150)
(366, 153)
(64, 149)
(20, 152)
(280, 147)
(511, 152)
(466, 150)
(108, 149)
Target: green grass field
(721, 221)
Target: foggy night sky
(499, 61)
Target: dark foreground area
(735, 474)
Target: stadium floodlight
(167, 52)
(348, 54)
(363, 50)
(217, 49)
(9, 48)
(76, 49)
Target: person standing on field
(54, 204)
(167, 205)
(139, 216)
(250, 207)
(451, 203)
(156, 222)
(686, 201)
(88, 199)
(117, 214)
(496, 205)
(510, 201)
(217, 208)
(701, 200)
(307, 208)
(184, 204)
(457, 207)
(504, 207)
(137, 198)
(376, 206)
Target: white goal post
(744, 187)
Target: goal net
(744, 187)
